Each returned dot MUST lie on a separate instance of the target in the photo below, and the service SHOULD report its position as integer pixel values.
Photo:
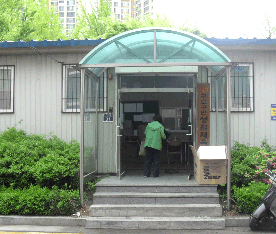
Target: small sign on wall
(273, 111)
(87, 117)
(108, 117)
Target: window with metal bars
(241, 89)
(6, 88)
(95, 93)
(95, 90)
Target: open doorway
(171, 96)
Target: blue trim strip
(241, 41)
(88, 42)
(45, 43)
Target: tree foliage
(29, 20)
(100, 22)
(268, 29)
(33, 20)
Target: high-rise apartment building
(131, 8)
(144, 7)
(68, 11)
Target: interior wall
(164, 99)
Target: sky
(221, 18)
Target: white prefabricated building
(40, 92)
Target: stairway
(167, 202)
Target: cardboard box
(210, 164)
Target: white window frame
(12, 68)
(104, 97)
(64, 91)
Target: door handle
(118, 130)
(190, 134)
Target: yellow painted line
(37, 233)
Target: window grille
(6, 88)
(241, 89)
(72, 91)
(91, 97)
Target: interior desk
(178, 147)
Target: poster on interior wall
(203, 114)
(273, 111)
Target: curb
(43, 221)
(81, 221)
(237, 221)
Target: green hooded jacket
(154, 135)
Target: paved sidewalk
(63, 230)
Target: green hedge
(248, 198)
(38, 201)
(248, 180)
(37, 160)
(39, 175)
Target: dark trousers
(152, 157)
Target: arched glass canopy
(154, 45)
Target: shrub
(248, 179)
(243, 163)
(37, 160)
(38, 201)
(261, 169)
(39, 175)
(248, 198)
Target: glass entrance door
(90, 125)
(121, 165)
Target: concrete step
(138, 188)
(156, 223)
(186, 210)
(155, 198)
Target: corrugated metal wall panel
(37, 96)
(218, 138)
(272, 95)
(253, 127)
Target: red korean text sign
(203, 114)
